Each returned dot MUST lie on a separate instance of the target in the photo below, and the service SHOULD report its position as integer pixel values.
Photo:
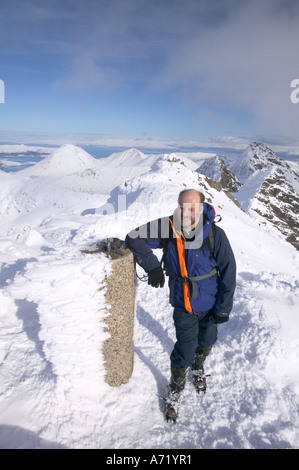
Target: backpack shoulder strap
(165, 242)
(211, 240)
(211, 237)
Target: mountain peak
(130, 157)
(262, 156)
(66, 160)
(255, 158)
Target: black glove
(156, 277)
(220, 317)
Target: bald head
(191, 194)
(191, 207)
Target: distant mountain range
(260, 182)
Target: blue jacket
(211, 293)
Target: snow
(251, 187)
(53, 393)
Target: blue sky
(174, 70)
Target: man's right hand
(156, 277)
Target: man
(202, 276)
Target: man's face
(190, 208)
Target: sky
(185, 71)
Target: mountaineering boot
(175, 391)
(199, 380)
(199, 377)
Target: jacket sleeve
(225, 258)
(144, 239)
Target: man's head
(191, 207)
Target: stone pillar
(118, 349)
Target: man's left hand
(220, 317)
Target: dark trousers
(190, 332)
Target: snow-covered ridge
(262, 182)
(278, 202)
(131, 157)
(256, 157)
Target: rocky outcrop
(216, 169)
(118, 349)
(267, 183)
(278, 202)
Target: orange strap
(180, 240)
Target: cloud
(85, 74)
(101, 40)
(245, 64)
(224, 59)
(119, 43)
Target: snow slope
(53, 393)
